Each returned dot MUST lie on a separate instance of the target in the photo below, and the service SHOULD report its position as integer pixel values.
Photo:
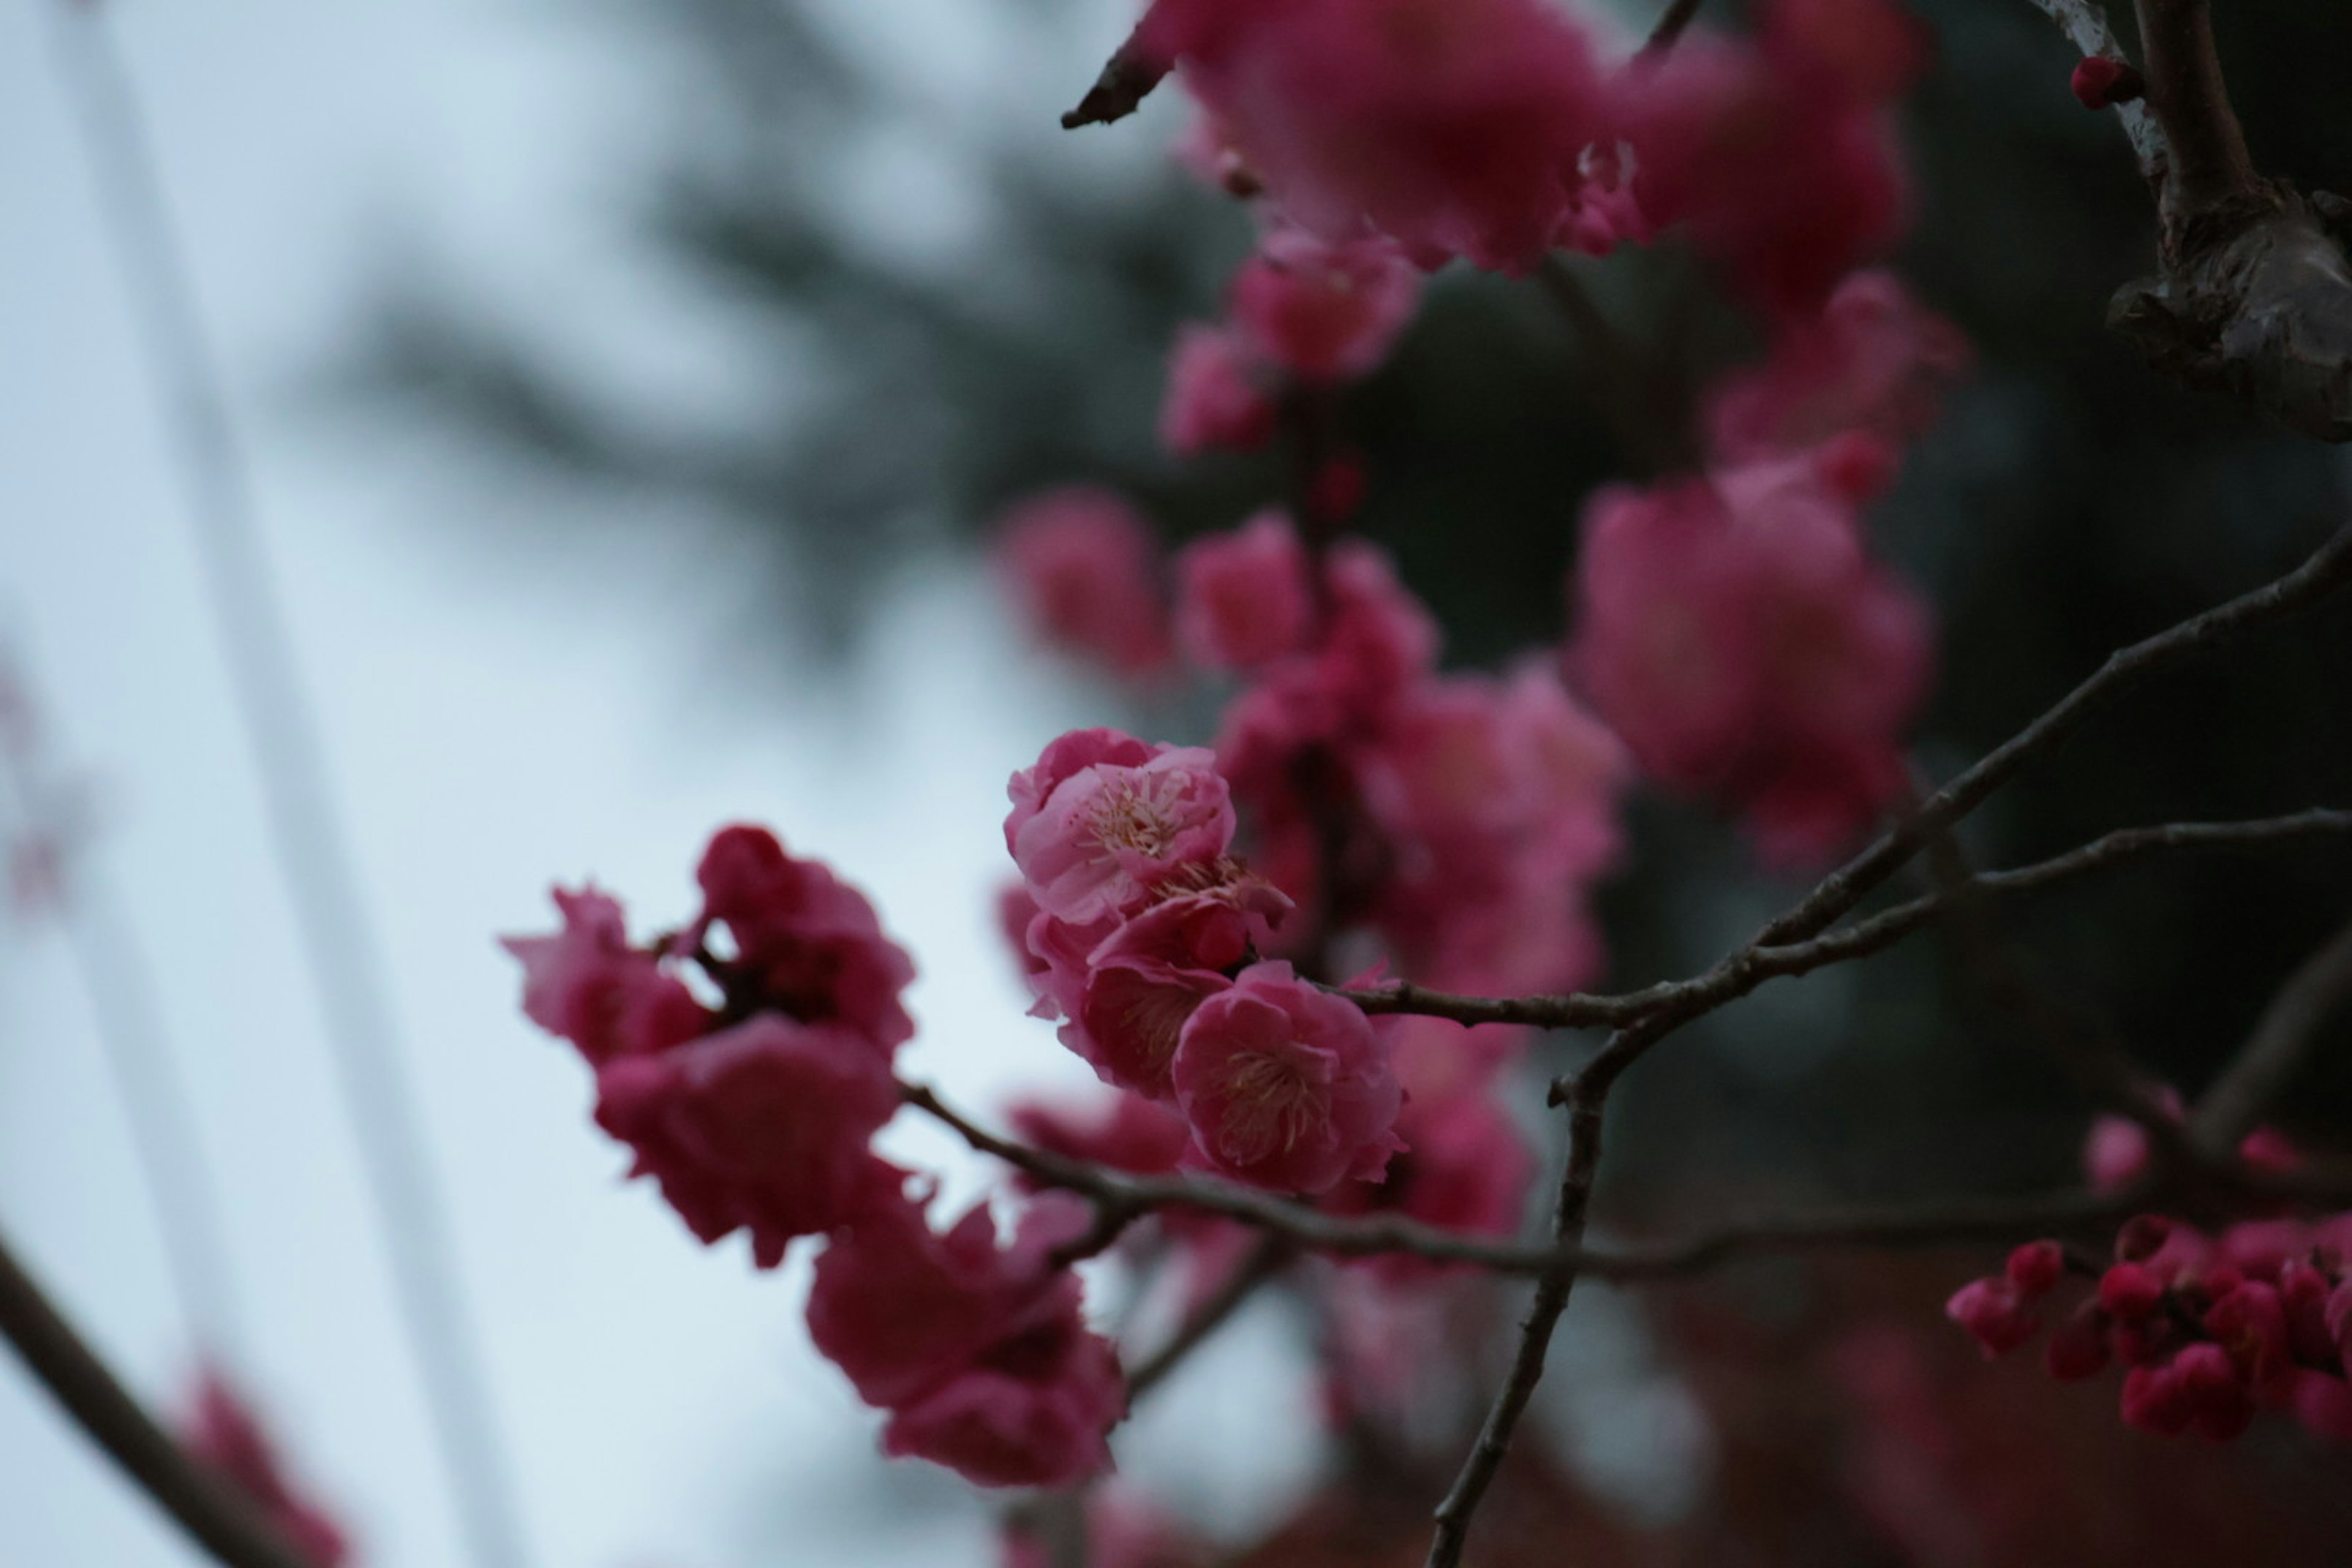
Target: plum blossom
(1323, 311)
(1452, 127)
(1084, 568)
(221, 1433)
(1874, 360)
(1735, 633)
(1217, 395)
(1103, 836)
(763, 1127)
(1285, 1087)
(1246, 598)
(980, 1353)
(585, 984)
(807, 944)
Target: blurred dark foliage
(2070, 502)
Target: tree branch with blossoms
(1306, 961)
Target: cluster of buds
(2209, 1328)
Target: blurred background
(628, 390)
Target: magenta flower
(1218, 394)
(1285, 1087)
(223, 1434)
(807, 944)
(1324, 312)
(588, 985)
(1086, 570)
(763, 1127)
(1106, 835)
(1244, 599)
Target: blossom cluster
(2208, 1327)
(755, 1110)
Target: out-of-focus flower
(1086, 570)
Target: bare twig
(215, 1517)
(1859, 939)
(2289, 1028)
(1126, 79)
(1260, 1264)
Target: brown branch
(1859, 940)
(1677, 17)
(1261, 1263)
(215, 1516)
(2208, 171)
(1126, 79)
(2289, 1028)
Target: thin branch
(1126, 79)
(1661, 38)
(2290, 1027)
(1720, 985)
(2086, 27)
(215, 1517)
(1261, 1263)
(2325, 570)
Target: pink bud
(2079, 1347)
(1992, 1314)
(2153, 1401)
(2099, 82)
(2141, 1237)
(2219, 1406)
(2129, 1291)
(2037, 1266)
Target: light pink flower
(1105, 836)
(807, 944)
(1244, 599)
(1217, 393)
(587, 985)
(1285, 1087)
(1066, 754)
(763, 1127)
(223, 1434)
(1873, 360)
(1324, 311)
(1085, 569)
(1454, 127)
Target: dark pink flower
(1994, 1313)
(1124, 1131)
(2212, 1392)
(1778, 153)
(980, 1352)
(587, 985)
(1218, 395)
(1873, 360)
(1105, 836)
(2098, 82)
(2130, 1291)
(2250, 1322)
(223, 1434)
(1285, 1087)
(1464, 1167)
(1736, 635)
(806, 944)
(1016, 911)
(1324, 311)
(2035, 1267)
(1245, 598)
(2078, 1347)
(1063, 756)
(2155, 1401)
(763, 1127)
(1085, 569)
(1454, 127)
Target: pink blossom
(1244, 599)
(1122, 1530)
(1778, 153)
(1086, 570)
(2035, 1267)
(1454, 127)
(1123, 1132)
(1324, 311)
(761, 1127)
(1737, 638)
(2116, 1151)
(807, 944)
(1106, 834)
(1016, 912)
(1217, 393)
(2154, 1401)
(1379, 635)
(1994, 1313)
(1285, 1087)
(2099, 82)
(2078, 1349)
(1466, 1168)
(980, 1353)
(588, 985)
(1066, 755)
(1437, 1058)
(1873, 360)
(223, 1434)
